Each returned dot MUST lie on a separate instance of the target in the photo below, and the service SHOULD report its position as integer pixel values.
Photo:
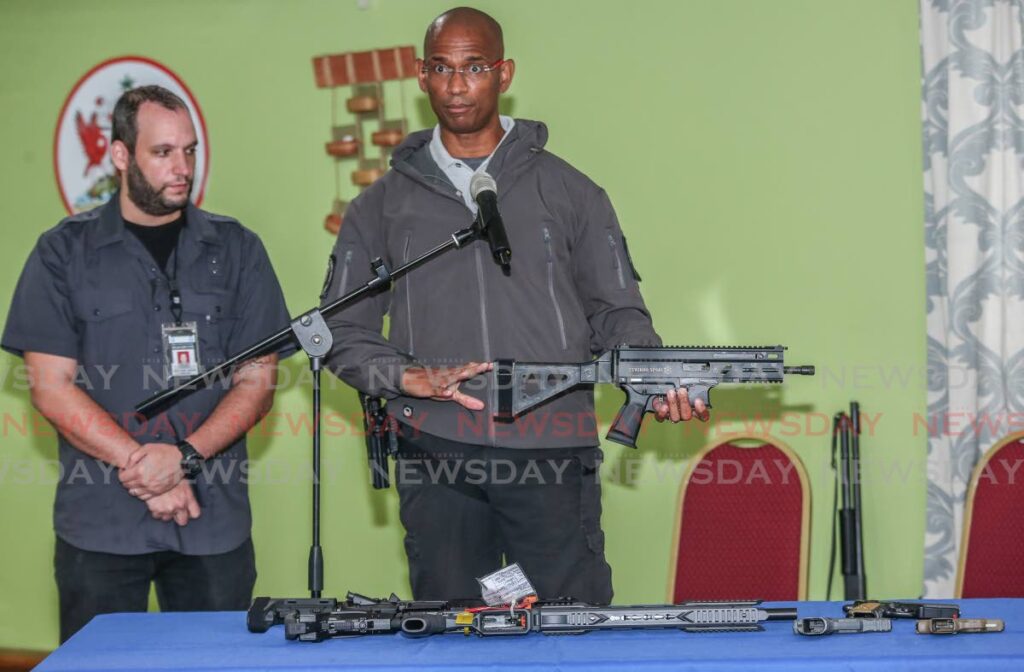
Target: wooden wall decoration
(364, 74)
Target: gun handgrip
(701, 391)
(626, 426)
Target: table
(220, 641)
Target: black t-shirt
(159, 240)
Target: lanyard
(176, 307)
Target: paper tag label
(508, 585)
(181, 349)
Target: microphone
(484, 191)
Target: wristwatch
(191, 460)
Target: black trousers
(467, 508)
(91, 583)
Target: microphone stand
(313, 335)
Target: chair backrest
(992, 550)
(743, 528)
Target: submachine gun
(644, 374)
(317, 620)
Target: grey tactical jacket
(572, 292)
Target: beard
(148, 198)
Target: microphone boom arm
(382, 279)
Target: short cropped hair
(126, 112)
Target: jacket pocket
(104, 317)
(617, 260)
(590, 497)
(99, 305)
(216, 320)
(408, 292)
(551, 288)
(345, 265)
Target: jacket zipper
(344, 273)
(408, 293)
(551, 288)
(616, 261)
(484, 332)
(399, 167)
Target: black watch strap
(191, 459)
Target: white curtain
(973, 106)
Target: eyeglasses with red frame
(471, 71)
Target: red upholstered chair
(744, 524)
(992, 550)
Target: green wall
(764, 158)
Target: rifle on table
(317, 620)
(644, 374)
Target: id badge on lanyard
(181, 341)
(181, 349)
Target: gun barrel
(781, 613)
(798, 370)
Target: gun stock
(266, 612)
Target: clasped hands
(153, 474)
(442, 384)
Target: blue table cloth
(220, 641)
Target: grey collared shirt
(90, 291)
(456, 170)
